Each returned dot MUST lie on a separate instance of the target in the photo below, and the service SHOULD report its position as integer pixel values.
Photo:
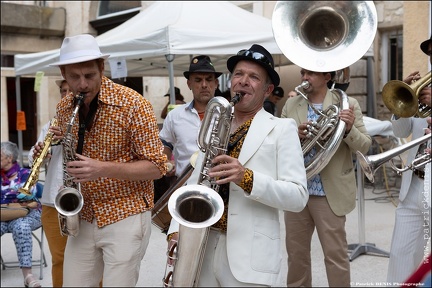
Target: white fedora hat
(77, 49)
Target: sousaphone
(324, 36)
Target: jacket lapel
(260, 127)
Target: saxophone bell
(68, 203)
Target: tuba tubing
(325, 135)
(370, 164)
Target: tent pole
(371, 97)
(18, 107)
(170, 59)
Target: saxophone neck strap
(85, 122)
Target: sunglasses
(256, 56)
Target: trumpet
(370, 164)
(402, 99)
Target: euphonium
(370, 164)
(325, 134)
(402, 99)
(197, 207)
(38, 161)
(69, 200)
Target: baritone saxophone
(197, 207)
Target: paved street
(366, 270)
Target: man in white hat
(118, 155)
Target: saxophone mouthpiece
(237, 98)
(79, 98)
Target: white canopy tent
(160, 41)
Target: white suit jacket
(402, 128)
(273, 152)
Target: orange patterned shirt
(124, 129)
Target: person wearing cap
(273, 99)
(411, 231)
(332, 192)
(118, 155)
(260, 174)
(53, 182)
(180, 128)
(179, 100)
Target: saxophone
(38, 161)
(69, 201)
(197, 207)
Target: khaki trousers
(56, 243)
(331, 233)
(112, 253)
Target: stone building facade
(402, 23)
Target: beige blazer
(338, 177)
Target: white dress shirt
(180, 129)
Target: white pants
(112, 253)
(215, 271)
(410, 234)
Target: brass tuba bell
(324, 36)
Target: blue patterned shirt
(314, 184)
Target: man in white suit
(412, 220)
(261, 174)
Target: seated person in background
(271, 101)
(13, 178)
(179, 99)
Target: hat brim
(59, 82)
(80, 60)
(187, 73)
(233, 60)
(425, 45)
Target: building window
(395, 55)
(111, 14)
(116, 7)
(7, 61)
